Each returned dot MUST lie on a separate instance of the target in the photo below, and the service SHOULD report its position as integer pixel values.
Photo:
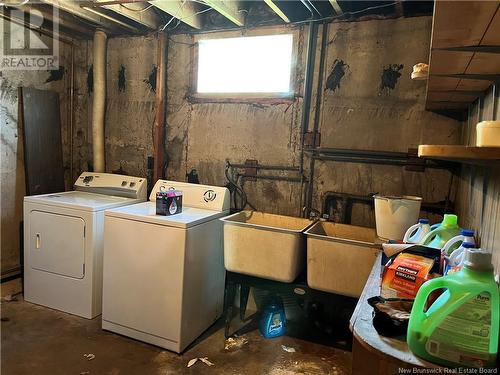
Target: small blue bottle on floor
(273, 321)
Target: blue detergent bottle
(417, 232)
(273, 320)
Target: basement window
(245, 66)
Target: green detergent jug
(438, 237)
(460, 329)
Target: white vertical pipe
(99, 103)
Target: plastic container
(466, 235)
(416, 232)
(334, 251)
(434, 226)
(488, 134)
(461, 327)
(273, 320)
(265, 245)
(438, 237)
(394, 215)
(454, 262)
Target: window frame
(271, 97)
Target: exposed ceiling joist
(110, 18)
(336, 7)
(5, 14)
(88, 14)
(186, 11)
(139, 13)
(63, 19)
(272, 4)
(229, 9)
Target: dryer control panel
(195, 195)
(112, 184)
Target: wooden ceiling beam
(139, 13)
(229, 9)
(93, 16)
(185, 11)
(102, 13)
(336, 7)
(272, 4)
(40, 29)
(63, 19)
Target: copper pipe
(160, 103)
(71, 113)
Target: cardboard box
(168, 202)
(403, 276)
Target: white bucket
(394, 215)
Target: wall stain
(192, 177)
(7, 91)
(4, 111)
(336, 75)
(151, 80)
(271, 192)
(121, 79)
(8, 144)
(55, 75)
(390, 76)
(90, 79)
(175, 150)
(120, 170)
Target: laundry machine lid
(81, 200)
(146, 212)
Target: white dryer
(164, 275)
(63, 241)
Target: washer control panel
(195, 195)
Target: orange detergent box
(405, 274)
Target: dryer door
(57, 244)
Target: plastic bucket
(394, 215)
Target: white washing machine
(63, 241)
(164, 275)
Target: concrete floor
(38, 340)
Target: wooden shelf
(462, 154)
(462, 24)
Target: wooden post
(160, 104)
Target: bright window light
(259, 64)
